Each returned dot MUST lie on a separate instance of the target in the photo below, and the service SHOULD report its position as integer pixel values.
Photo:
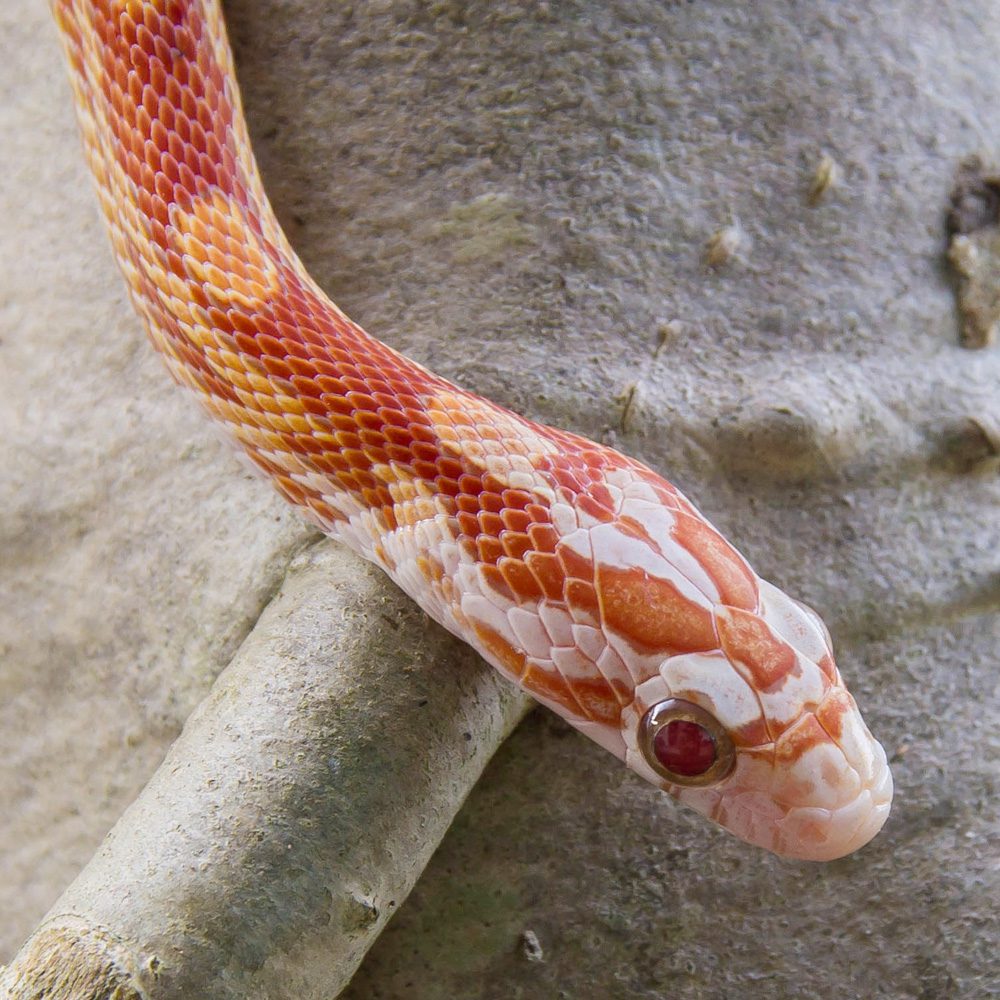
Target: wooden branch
(293, 814)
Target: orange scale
(220, 321)
(297, 424)
(151, 106)
(161, 48)
(494, 484)
(551, 685)
(356, 385)
(653, 612)
(140, 64)
(489, 549)
(602, 496)
(190, 80)
(445, 486)
(515, 520)
(587, 505)
(127, 27)
(424, 437)
(582, 596)
(164, 188)
(158, 233)
(143, 121)
(161, 212)
(269, 345)
(372, 435)
(544, 537)
(425, 470)
(516, 499)
(538, 513)
(377, 455)
(274, 366)
(172, 91)
(392, 418)
(547, 572)
(133, 87)
(288, 330)
(144, 39)
(469, 507)
(361, 466)
(515, 544)
(337, 463)
(131, 165)
(314, 411)
(746, 639)
(450, 468)
(400, 437)
(425, 451)
(735, 580)
(335, 389)
(175, 148)
(121, 76)
(307, 392)
(148, 175)
(213, 147)
(412, 407)
(385, 395)
(378, 497)
(347, 440)
(343, 422)
(468, 525)
(576, 566)
(191, 160)
(492, 504)
(520, 580)
(490, 523)
(291, 490)
(598, 700)
(362, 402)
(298, 303)
(304, 443)
(207, 170)
(324, 461)
(183, 132)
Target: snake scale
(578, 573)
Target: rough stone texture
(521, 196)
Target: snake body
(579, 573)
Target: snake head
(761, 736)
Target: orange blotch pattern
(728, 570)
(746, 639)
(653, 612)
(832, 711)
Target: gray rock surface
(521, 196)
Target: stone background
(520, 196)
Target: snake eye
(685, 744)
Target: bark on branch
(293, 814)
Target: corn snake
(578, 573)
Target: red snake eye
(685, 744)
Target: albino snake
(578, 573)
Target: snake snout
(834, 781)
